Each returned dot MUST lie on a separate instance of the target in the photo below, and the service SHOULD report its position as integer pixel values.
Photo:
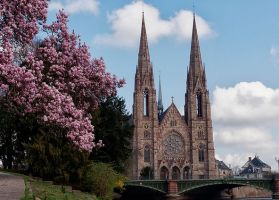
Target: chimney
(250, 158)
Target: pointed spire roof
(160, 99)
(143, 56)
(195, 56)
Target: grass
(47, 191)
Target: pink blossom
(58, 83)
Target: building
(255, 168)
(223, 171)
(172, 145)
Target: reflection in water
(184, 198)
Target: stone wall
(247, 191)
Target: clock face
(173, 145)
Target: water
(186, 198)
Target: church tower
(145, 112)
(198, 114)
(167, 145)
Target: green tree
(113, 127)
(15, 130)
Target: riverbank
(14, 186)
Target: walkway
(11, 187)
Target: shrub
(100, 179)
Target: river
(184, 198)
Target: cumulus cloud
(75, 6)
(126, 23)
(250, 138)
(274, 52)
(246, 103)
(245, 120)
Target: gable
(172, 117)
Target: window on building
(145, 102)
(201, 153)
(199, 103)
(146, 154)
(173, 123)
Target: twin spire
(144, 63)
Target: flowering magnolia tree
(58, 82)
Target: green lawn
(47, 191)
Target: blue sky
(240, 49)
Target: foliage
(59, 82)
(51, 156)
(14, 131)
(147, 173)
(113, 127)
(100, 178)
(44, 190)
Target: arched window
(201, 153)
(146, 154)
(186, 172)
(164, 173)
(199, 103)
(145, 103)
(175, 173)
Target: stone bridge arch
(190, 186)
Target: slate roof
(253, 165)
(256, 162)
(222, 165)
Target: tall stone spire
(143, 56)
(145, 110)
(160, 99)
(196, 68)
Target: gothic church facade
(172, 145)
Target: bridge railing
(159, 185)
(186, 185)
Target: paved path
(11, 187)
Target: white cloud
(246, 103)
(274, 52)
(250, 138)
(245, 120)
(126, 24)
(75, 6)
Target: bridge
(182, 187)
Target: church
(171, 145)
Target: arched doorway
(164, 173)
(147, 173)
(186, 172)
(175, 173)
